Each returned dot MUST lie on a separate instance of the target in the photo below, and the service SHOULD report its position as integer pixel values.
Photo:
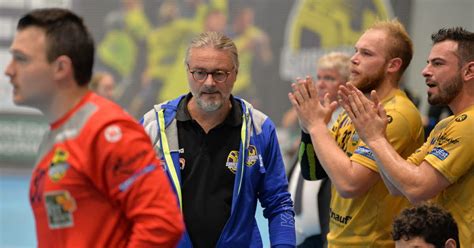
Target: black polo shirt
(208, 164)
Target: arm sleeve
(417, 157)
(150, 124)
(311, 168)
(403, 132)
(127, 172)
(452, 153)
(273, 194)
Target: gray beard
(208, 106)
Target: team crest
(59, 166)
(461, 118)
(232, 160)
(252, 156)
(59, 206)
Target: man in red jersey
(96, 182)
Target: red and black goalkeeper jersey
(97, 183)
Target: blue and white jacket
(260, 175)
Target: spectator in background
(97, 182)
(425, 226)
(254, 48)
(312, 198)
(103, 84)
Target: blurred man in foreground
(97, 182)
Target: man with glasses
(221, 154)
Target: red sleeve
(128, 172)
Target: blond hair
(400, 43)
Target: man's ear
(468, 73)
(394, 65)
(450, 243)
(62, 67)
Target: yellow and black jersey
(449, 149)
(366, 221)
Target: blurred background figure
(254, 47)
(425, 226)
(332, 70)
(311, 198)
(103, 84)
(164, 75)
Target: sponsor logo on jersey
(365, 151)
(440, 153)
(443, 140)
(59, 207)
(113, 133)
(340, 219)
(461, 118)
(232, 160)
(59, 165)
(252, 157)
(124, 165)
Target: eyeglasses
(201, 75)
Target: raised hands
(368, 116)
(311, 112)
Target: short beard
(450, 92)
(370, 82)
(209, 106)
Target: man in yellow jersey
(361, 209)
(444, 165)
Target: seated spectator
(425, 226)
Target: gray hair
(341, 62)
(215, 40)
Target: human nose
(209, 80)
(426, 71)
(9, 69)
(355, 59)
(320, 83)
